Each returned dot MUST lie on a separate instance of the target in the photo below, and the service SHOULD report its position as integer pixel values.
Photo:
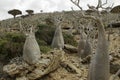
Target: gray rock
(70, 48)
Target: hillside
(71, 67)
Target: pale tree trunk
(99, 68)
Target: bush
(11, 45)
(45, 33)
(45, 49)
(15, 37)
(41, 42)
(69, 39)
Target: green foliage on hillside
(69, 39)
(11, 45)
(45, 33)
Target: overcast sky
(45, 5)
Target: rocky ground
(79, 69)
(63, 73)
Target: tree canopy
(30, 12)
(14, 12)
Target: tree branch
(77, 4)
(104, 3)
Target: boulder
(70, 48)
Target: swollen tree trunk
(14, 16)
(82, 43)
(87, 49)
(99, 68)
(58, 41)
(31, 50)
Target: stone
(21, 70)
(70, 48)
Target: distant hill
(41, 18)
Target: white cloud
(45, 5)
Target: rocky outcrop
(70, 48)
(21, 70)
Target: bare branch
(77, 4)
(112, 5)
(84, 16)
(105, 3)
(82, 13)
(73, 13)
(100, 5)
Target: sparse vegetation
(45, 33)
(69, 39)
(11, 45)
(69, 33)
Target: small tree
(100, 60)
(31, 50)
(14, 12)
(58, 40)
(30, 12)
(41, 11)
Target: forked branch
(76, 2)
(100, 5)
(82, 13)
(104, 3)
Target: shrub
(45, 49)
(15, 37)
(45, 33)
(69, 39)
(11, 45)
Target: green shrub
(69, 39)
(15, 37)
(41, 42)
(49, 21)
(45, 33)
(11, 45)
(45, 49)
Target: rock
(22, 78)
(66, 27)
(114, 78)
(115, 62)
(70, 48)
(23, 71)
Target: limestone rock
(23, 71)
(70, 48)
(114, 78)
(22, 78)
